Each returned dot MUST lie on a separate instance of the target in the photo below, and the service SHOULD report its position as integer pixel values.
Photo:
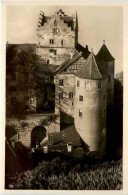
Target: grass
(70, 174)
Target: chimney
(86, 47)
(71, 54)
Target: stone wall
(25, 126)
(55, 42)
(90, 113)
(66, 104)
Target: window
(61, 95)
(78, 83)
(80, 113)
(55, 30)
(80, 98)
(70, 95)
(109, 78)
(55, 22)
(87, 86)
(47, 61)
(62, 42)
(61, 82)
(51, 41)
(99, 85)
(53, 51)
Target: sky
(96, 23)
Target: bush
(58, 174)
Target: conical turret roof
(92, 69)
(104, 54)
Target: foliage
(59, 174)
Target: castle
(84, 82)
(74, 82)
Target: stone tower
(106, 56)
(91, 103)
(57, 37)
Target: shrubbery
(59, 174)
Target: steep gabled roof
(70, 135)
(104, 54)
(68, 62)
(80, 51)
(92, 69)
(84, 50)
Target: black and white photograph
(63, 97)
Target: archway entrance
(37, 135)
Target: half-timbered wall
(75, 66)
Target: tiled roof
(80, 51)
(92, 69)
(104, 54)
(68, 62)
(68, 134)
(53, 67)
(84, 50)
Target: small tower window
(80, 113)
(47, 61)
(78, 83)
(61, 95)
(62, 42)
(61, 82)
(87, 86)
(80, 98)
(99, 85)
(70, 95)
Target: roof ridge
(96, 65)
(67, 63)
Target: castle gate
(34, 127)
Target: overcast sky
(95, 25)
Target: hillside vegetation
(70, 175)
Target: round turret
(90, 105)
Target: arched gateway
(37, 135)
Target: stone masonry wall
(24, 127)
